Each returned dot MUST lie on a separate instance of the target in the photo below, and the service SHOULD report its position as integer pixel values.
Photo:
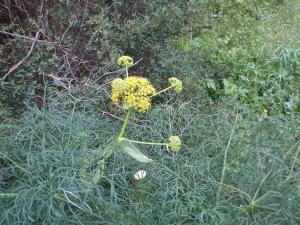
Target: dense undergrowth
(43, 152)
(238, 117)
(250, 52)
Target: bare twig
(24, 59)
(28, 38)
(81, 24)
(8, 7)
(63, 36)
(59, 80)
(117, 71)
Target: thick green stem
(122, 133)
(101, 165)
(100, 171)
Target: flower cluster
(176, 84)
(174, 144)
(119, 85)
(134, 92)
(125, 61)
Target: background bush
(215, 47)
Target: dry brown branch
(8, 6)
(81, 24)
(17, 10)
(59, 80)
(63, 36)
(24, 59)
(28, 38)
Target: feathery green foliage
(43, 153)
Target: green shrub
(95, 35)
(249, 52)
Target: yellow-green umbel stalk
(175, 84)
(173, 145)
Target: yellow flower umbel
(175, 143)
(134, 92)
(119, 86)
(176, 84)
(125, 61)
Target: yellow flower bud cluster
(174, 144)
(134, 92)
(119, 85)
(176, 84)
(125, 61)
